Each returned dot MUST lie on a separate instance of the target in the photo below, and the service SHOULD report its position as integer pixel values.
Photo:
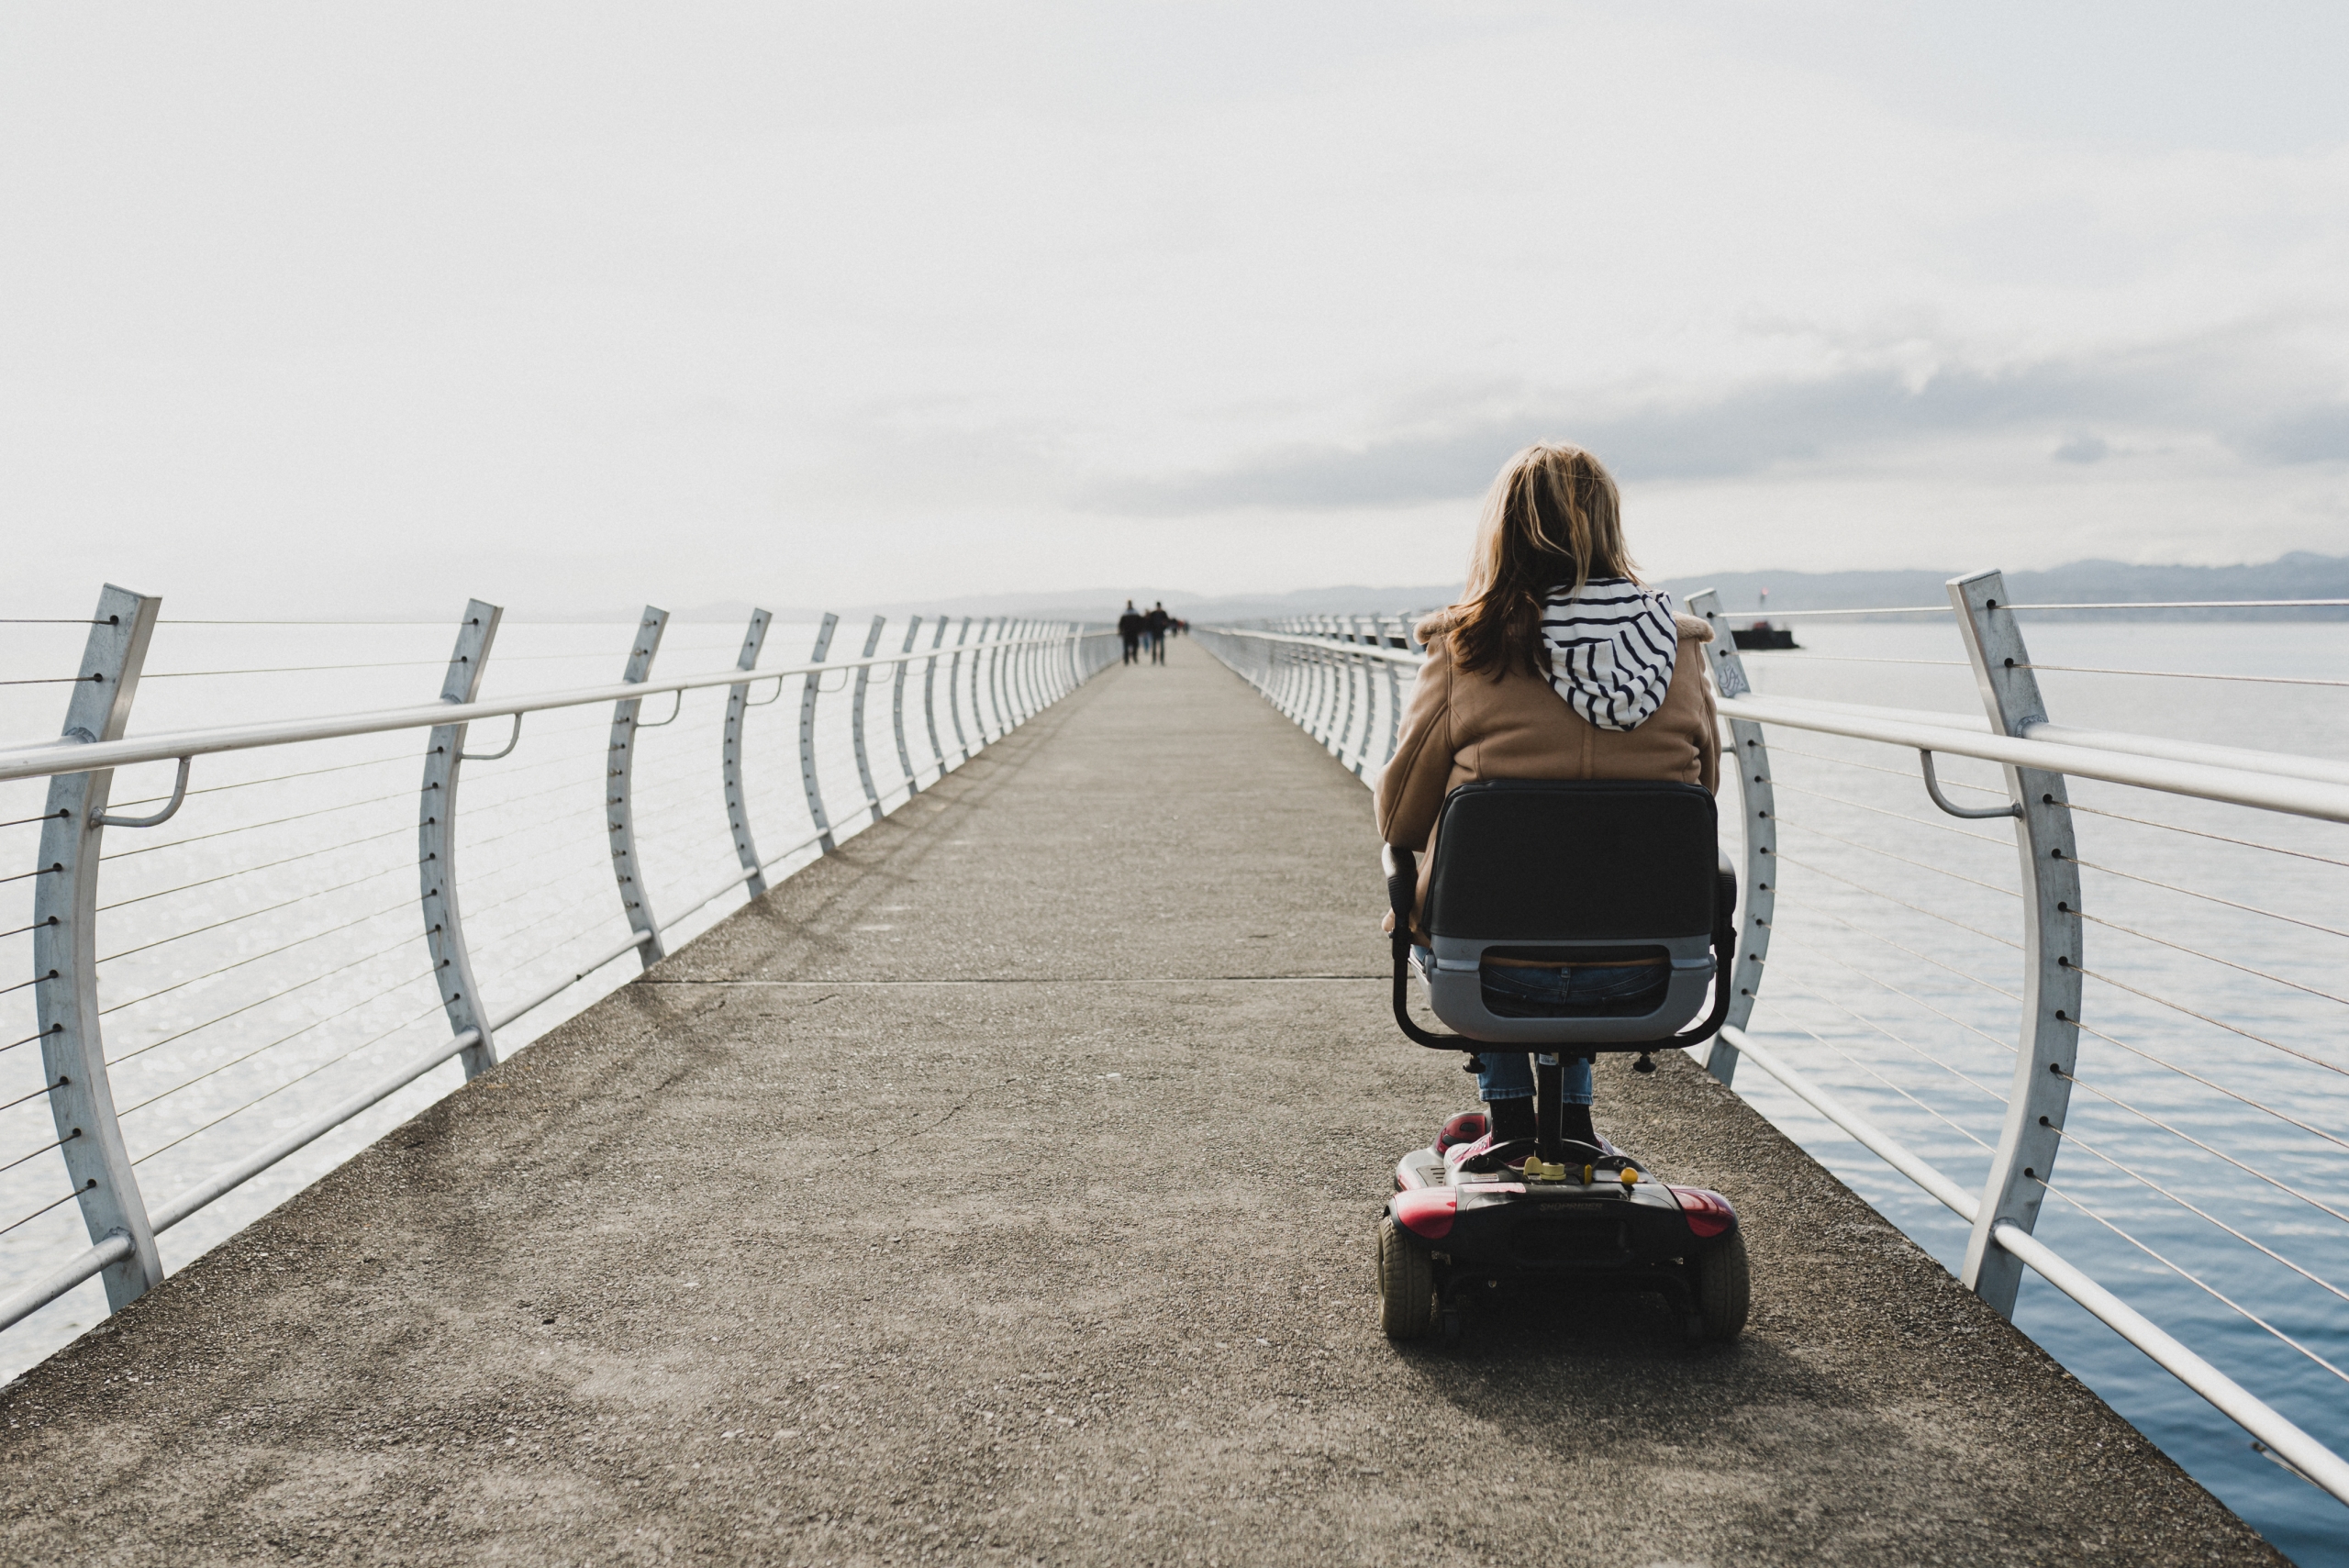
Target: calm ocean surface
(260, 960)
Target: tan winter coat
(1459, 729)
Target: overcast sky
(353, 306)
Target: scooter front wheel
(1405, 1282)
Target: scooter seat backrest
(1559, 871)
(1572, 860)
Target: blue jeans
(1509, 992)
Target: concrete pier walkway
(1001, 1190)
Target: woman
(1556, 664)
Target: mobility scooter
(1610, 872)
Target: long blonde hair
(1552, 518)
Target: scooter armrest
(1402, 869)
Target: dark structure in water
(1763, 635)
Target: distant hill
(2299, 575)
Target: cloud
(2310, 435)
(2240, 394)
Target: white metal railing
(969, 694)
(1346, 680)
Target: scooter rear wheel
(1724, 1287)
(1405, 1282)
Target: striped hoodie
(1612, 647)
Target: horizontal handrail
(2279, 764)
(2239, 1405)
(1325, 644)
(86, 1265)
(2273, 781)
(2115, 605)
(51, 759)
(2238, 786)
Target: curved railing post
(1034, 677)
(984, 657)
(986, 663)
(65, 958)
(954, 694)
(1349, 661)
(1387, 639)
(856, 720)
(816, 816)
(729, 763)
(436, 844)
(2049, 1047)
(1749, 756)
(998, 678)
(619, 802)
(929, 697)
(897, 707)
(1023, 705)
(1325, 692)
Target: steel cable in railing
(53, 1143)
(2186, 1275)
(296, 669)
(503, 938)
(2075, 808)
(2006, 1046)
(2116, 605)
(244, 915)
(1779, 749)
(256, 827)
(324, 975)
(1906, 1044)
(2213, 898)
(109, 1010)
(27, 984)
(1897, 816)
(1946, 1120)
(257, 870)
(491, 944)
(2228, 962)
(530, 890)
(1810, 656)
(39, 1093)
(2194, 675)
(262, 1050)
(2189, 1012)
(1888, 898)
(1785, 821)
(2253, 1171)
(375, 1039)
(2337, 1140)
(59, 1202)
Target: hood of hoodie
(1678, 625)
(1612, 646)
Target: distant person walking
(1129, 629)
(1155, 624)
